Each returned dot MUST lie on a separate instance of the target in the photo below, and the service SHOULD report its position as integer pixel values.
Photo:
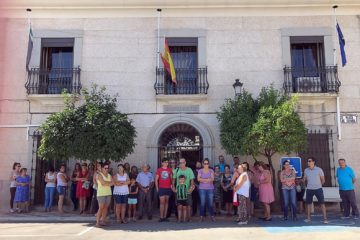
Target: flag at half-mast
(342, 44)
(168, 62)
(30, 48)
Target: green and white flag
(30, 48)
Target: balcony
(311, 80)
(53, 81)
(189, 82)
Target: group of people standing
(237, 188)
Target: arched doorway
(181, 140)
(156, 134)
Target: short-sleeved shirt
(222, 167)
(165, 177)
(188, 173)
(313, 177)
(207, 175)
(345, 178)
(144, 179)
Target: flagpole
(335, 22)
(158, 38)
(337, 98)
(28, 11)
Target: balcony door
(184, 52)
(307, 62)
(57, 59)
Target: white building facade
(290, 44)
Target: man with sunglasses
(189, 182)
(314, 178)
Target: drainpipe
(338, 117)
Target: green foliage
(265, 126)
(236, 117)
(92, 131)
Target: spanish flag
(168, 62)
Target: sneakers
(325, 221)
(11, 210)
(242, 223)
(344, 217)
(307, 220)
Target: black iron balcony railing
(188, 81)
(53, 81)
(311, 80)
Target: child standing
(132, 198)
(22, 191)
(182, 194)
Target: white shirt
(124, 189)
(244, 189)
(50, 177)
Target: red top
(165, 176)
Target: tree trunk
(272, 171)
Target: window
(185, 59)
(307, 56)
(57, 57)
(188, 51)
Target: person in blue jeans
(287, 177)
(50, 179)
(206, 189)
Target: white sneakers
(243, 223)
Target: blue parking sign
(295, 163)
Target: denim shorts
(121, 199)
(165, 192)
(61, 190)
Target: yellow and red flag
(168, 62)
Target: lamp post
(237, 87)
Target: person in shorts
(163, 187)
(314, 178)
(104, 183)
(62, 182)
(182, 195)
(132, 198)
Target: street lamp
(237, 87)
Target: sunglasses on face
(182, 162)
(206, 163)
(106, 168)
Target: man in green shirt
(189, 182)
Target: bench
(331, 194)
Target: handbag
(86, 185)
(235, 199)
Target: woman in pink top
(266, 190)
(206, 189)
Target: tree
(271, 126)
(236, 117)
(278, 129)
(92, 131)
